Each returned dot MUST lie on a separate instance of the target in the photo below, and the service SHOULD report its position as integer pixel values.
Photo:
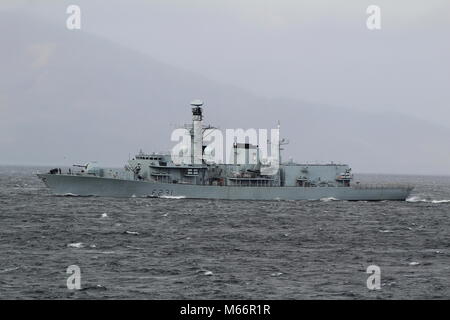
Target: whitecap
(328, 199)
(414, 263)
(440, 201)
(172, 197)
(418, 199)
(205, 272)
(104, 215)
(276, 274)
(132, 232)
(9, 269)
(385, 231)
(76, 245)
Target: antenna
(197, 132)
(197, 103)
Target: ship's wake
(419, 199)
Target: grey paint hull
(96, 186)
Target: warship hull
(83, 185)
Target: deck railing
(382, 186)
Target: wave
(205, 272)
(328, 199)
(440, 201)
(172, 197)
(97, 287)
(17, 187)
(9, 270)
(419, 199)
(69, 194)
(132, 232)
(134, 248)
(76, 245)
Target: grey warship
(160, 175)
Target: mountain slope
(68, 96)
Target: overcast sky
(298, 54)
(319, 51)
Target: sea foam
(419, 199)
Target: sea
(148, 248)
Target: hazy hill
(66, 96)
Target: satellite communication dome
(197, 103)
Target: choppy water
(177, 249)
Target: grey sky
(319, 51)
(298, 56)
